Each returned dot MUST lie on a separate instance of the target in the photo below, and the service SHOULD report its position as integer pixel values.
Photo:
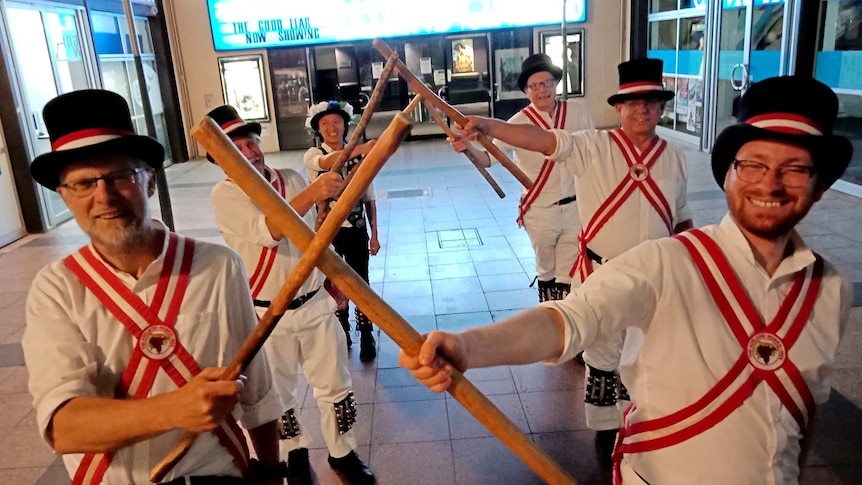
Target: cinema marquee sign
(254, 24)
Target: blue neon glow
(255, 24)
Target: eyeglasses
(789, 175)
(548, 83)
(648, 104)
(119, 180)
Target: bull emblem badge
(638, 171)
(766, 351)
(157, 342)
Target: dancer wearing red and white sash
(631, 188)
(731, 329)
(124, 338)
(546, 211)
(308, 334)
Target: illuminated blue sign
(254, 24)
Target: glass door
(751, 46)
(47, 46)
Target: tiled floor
(452, 257)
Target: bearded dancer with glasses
(732, 329)
(126, 338)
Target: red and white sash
(638, 177)
(535, 117)
(764, 354)
(156, 343)
(267, 255)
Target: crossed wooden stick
(316, 252)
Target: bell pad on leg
(601, 387)
(345, 413)
(289, 426)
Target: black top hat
(537, 63)
(793, 109)
(640, 79)
(231, 123)
(331, 107)
(87, 123)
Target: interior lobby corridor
(452, 257)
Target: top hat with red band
(88, 123)
(537, 63)
(232, 124)
(798, 110)
(640, 79)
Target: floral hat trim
(329, 106)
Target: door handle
(741, 83)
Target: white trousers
(312, 338)
(554, 232)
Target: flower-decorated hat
(640, 79)
(88, 123)
(794, 109)
(537, 63)
(324, 108)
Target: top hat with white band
(537, 63)
(794, 109)
(232, 123)
(88, 123)
(640, 79)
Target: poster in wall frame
(244, 87)
(508, 63)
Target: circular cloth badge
(766, 351)
(638, 171)
(158, 342)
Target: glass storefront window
(839, 65)
(111, 35)
(663, 5)
(679, 43)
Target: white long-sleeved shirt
(599, 167)
(678, 346)
(561, 183)
(74, 346)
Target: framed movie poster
(572, 53)
(508, 62)
(462, 56)
(243, 86)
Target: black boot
(367, 344)
(298, 468)
(352, 469)
(343, 316)
(605, 441)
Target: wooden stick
(470, 155)
(406, 112)
(419, 87)
(210, 132)
(366, 114)
(356, 289)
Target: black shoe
(298, 468)
(367, 345)
(605, 441)
(345, 325)
(352, 469)
(579, 358)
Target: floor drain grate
(458, 238)
(404, 193)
